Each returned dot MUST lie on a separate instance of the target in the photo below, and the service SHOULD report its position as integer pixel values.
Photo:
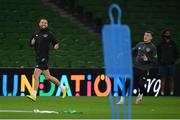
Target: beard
(167, 37)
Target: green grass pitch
(92, 107)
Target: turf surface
(92, 107)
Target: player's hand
(56, 46)
(33, 41)
(145, 58)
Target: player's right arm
(32, 41)
(135, 48)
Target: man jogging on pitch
(41, 42)
(146, 58)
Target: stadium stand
(140, 15)
(18, 21)
(80, 48)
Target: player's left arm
(56, 46)
(153, 58)
(54, 42)
(176, 52)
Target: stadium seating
(80, 48)
(17, 24)
(140, 15)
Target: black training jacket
(44, 39)
(167, 52)
(148, 49)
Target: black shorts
(42, 65)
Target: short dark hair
(165, 30)
(42, 19)
(152, 34)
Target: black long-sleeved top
(167, 52)
(43, 39)
(148, 49)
